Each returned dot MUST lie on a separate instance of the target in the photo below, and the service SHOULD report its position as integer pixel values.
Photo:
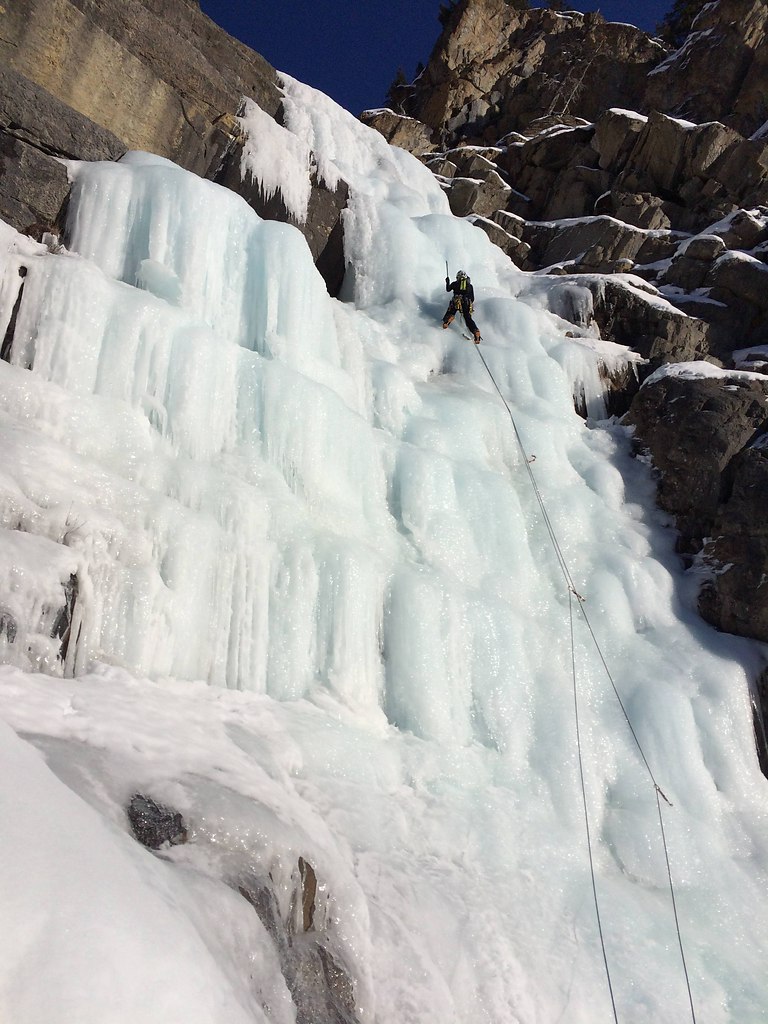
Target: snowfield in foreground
(317, 612)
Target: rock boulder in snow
(154, 824)
(405, 132)
(655, 329)
(741, 277)
(475, 195)
(514, 247)
(690, 267)
(594, 243)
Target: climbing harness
(659, 793)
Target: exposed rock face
(721, 72)
(405, 132)
(88, 81)
(657, 331)
(507, 241)
(496, 68)
(596, 244)
(734, 599)
(178, 73)
(320, 985)
(705, 438)
(36, 129)
(742, 283)
(652, 173)
(694, 428)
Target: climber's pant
(459, 305)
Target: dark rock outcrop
(182, 81)
(62, 625)
(721, 71)
(742, 284)
(655, 330)
(8, 626)
(153, 824)
(760, 719)
(6, 346)
(707, 437)
(734, 598)
(320, 984)
(595, 244)
(35, 129)
(178, 72)
(708, 442)
(694, 427)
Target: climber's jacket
(461, 288)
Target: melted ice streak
(322, 503)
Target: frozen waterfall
(319, 508)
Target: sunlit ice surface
(320, 614)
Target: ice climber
(463, 302)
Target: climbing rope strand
(547, 522)
(674, 906)
(545, 515)
(659, 793)
(608, 673)
(586, 810)
(569, 579)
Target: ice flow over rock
(323, 504)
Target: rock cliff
(90, 79)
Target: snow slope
(319, 508)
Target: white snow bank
(756, 357)
(737, 256)
(699, 369)
(633, 114)
(758, 216)
(95, 928)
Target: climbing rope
(586, 810)
(659, 793)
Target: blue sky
(351, 49)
